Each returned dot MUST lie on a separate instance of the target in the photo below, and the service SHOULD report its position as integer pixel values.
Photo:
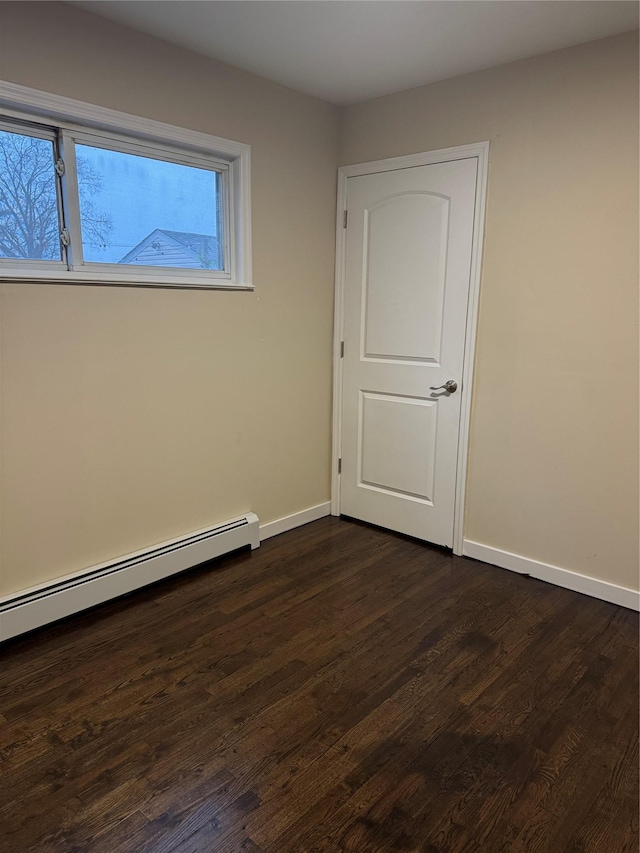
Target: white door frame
(442, 155)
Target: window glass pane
(29, 222)
(137, 210)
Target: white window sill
(158, 279)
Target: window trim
(80, 118)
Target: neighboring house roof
(174, 247)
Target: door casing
(442, 155)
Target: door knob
(450, 385)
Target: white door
(408, 263)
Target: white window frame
(114, 130)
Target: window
(88, 195)
(29, 211)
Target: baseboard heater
(49, 602)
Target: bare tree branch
(29, 226)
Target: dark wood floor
(340, 689)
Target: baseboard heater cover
(49, 602)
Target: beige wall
(554, 438)
(129, 415)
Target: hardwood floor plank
(118, 837)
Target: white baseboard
(553, 574)
(297, 519)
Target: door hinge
(345, 216)
(341, 349)
(65, 237)
(339, 466)
(59, 167)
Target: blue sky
(141, 194)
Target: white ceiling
(345, 51)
